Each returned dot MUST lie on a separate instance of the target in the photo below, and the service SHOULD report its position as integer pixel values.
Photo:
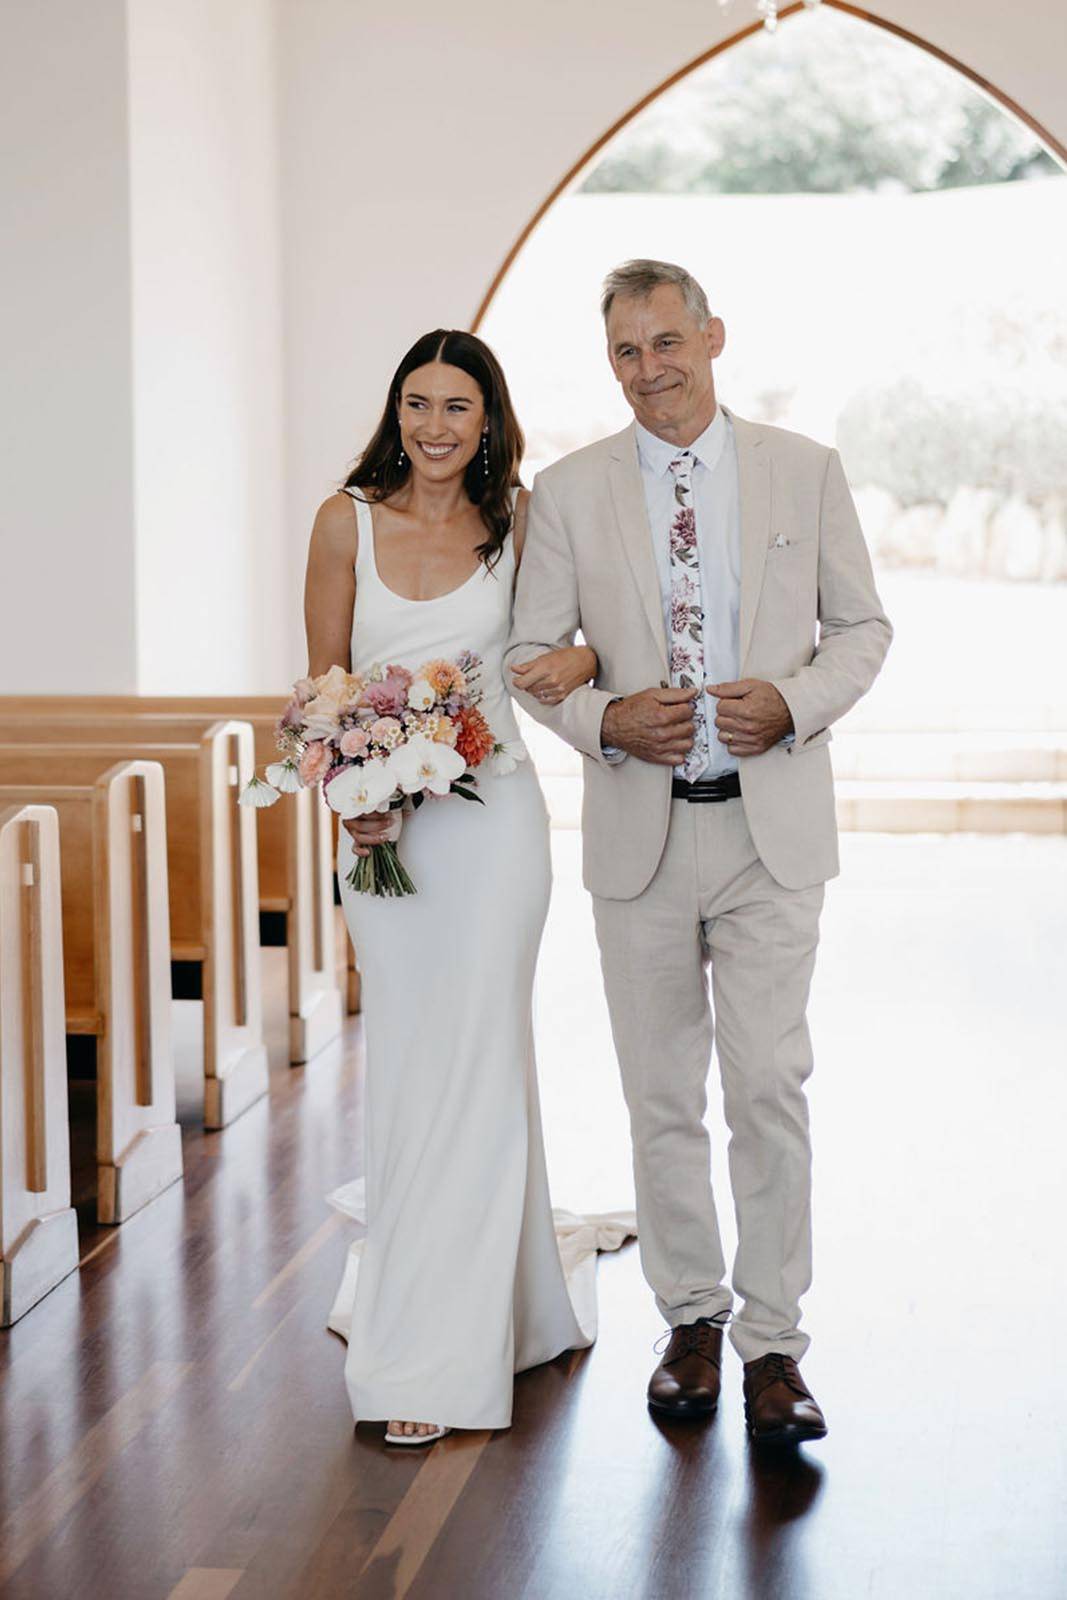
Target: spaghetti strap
(364, 567)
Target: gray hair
(641, 277)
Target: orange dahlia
(474, 739)
(444, 678)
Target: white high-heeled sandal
(416, 1438)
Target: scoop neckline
(406, 599)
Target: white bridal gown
(458, 1282)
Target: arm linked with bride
(546, 619)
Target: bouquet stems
(381, 872)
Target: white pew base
(44, 1255)
(320, 1023)
(148, 1165)
(244, 1081)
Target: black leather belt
(708, 791)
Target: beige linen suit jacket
(811, 623)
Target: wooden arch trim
(1053, 144)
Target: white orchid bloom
(505, 757)
(421, 696)
(284, 776)
(359, 790)
(423, 764)
(257, 793)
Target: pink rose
(354, 742)
(315, 762)
(385, 731)
(385, 699)
(293, 715)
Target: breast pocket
(783, 544)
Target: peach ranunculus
(334, 692)
(444, 678)
(354, 742)
(441, 729)
(315, 763)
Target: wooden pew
(296, 838)
(211, 864)
(38, 1225)
(116, 971)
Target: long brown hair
(383, 468)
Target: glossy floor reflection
(174, 1420)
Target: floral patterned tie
(687, 611)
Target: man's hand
(655, 725)
(376, 828)
(752, 716)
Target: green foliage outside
(827, 105)
(921, 443)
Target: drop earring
(485, 452)
(400, 457)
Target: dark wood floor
(174, 1420)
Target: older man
(718, 569)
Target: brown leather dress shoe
(779, 1406)
(686, 1382)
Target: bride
(458, 1283)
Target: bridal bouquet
(374, 739)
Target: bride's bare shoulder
(335, 531)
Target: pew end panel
(316, 1012)
(204, 825)
(38, 1225)
(295, 876)
(235, 1056)
(116, 958)
(139, 1146)
(353, 980)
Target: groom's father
(718, 570)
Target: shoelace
(778, 1368)
(692, 1337)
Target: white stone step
(923, 807)
(979, 757)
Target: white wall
(203, 301)
(207, 342)
(66, 493)
(419, 139)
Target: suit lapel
(754, 483)
(628, 494)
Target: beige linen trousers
(736, 886)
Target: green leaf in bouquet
(466, 794)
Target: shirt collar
(657, 454)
